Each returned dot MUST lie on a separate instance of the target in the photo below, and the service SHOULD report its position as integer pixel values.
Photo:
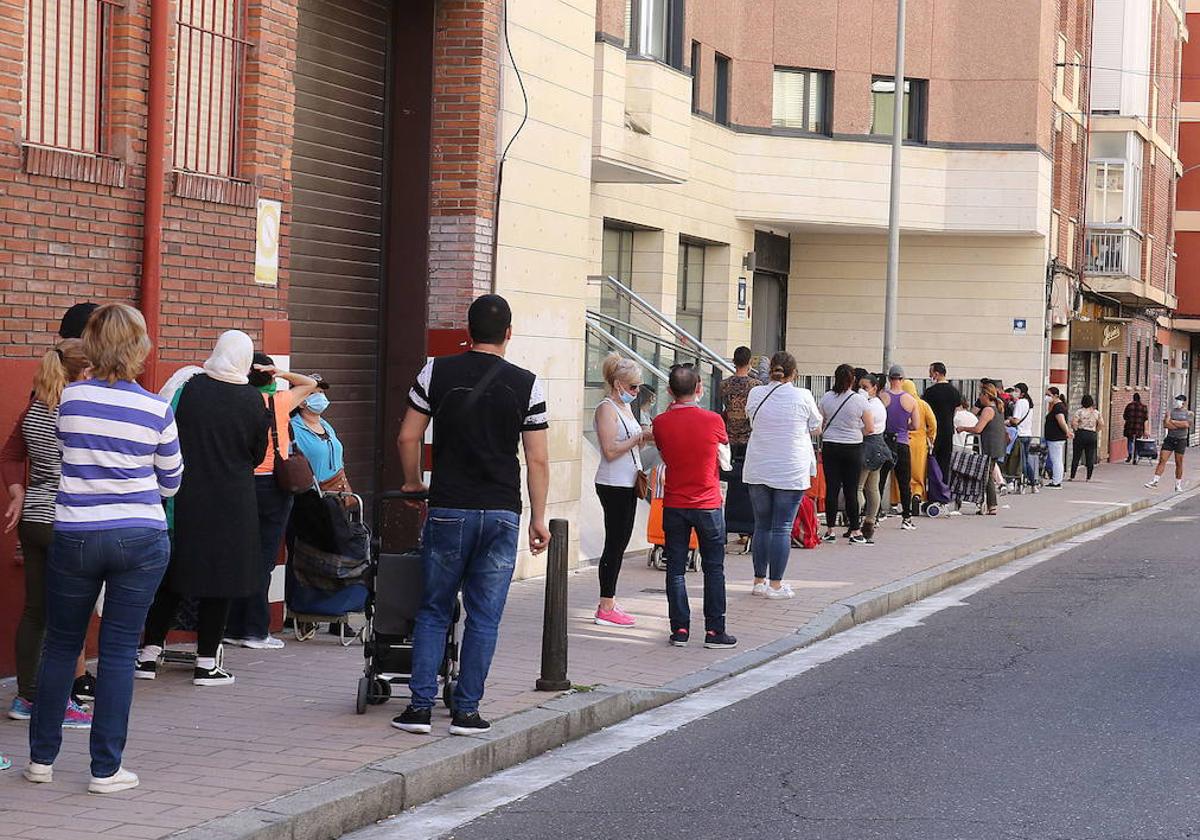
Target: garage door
(337, 226)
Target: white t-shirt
(780, 452)
(1023, 411)
(623, 471)
(963, 417)
(878, 413)
(843, 415)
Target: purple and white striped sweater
(120, 457)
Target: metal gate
(338, 164)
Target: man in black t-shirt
(481, 407)
(944, 399)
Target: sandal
(992, 511)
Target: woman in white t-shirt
(1022, 419)
(778, 469)
(847, 419)
(875, 454)
(621, 438)
(963, 416)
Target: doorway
(768, 313)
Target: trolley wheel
(381, 692)
(655, 558)
(360, 702)
(693, 560)
(448, 688)
(933, 510)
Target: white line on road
(440, 816)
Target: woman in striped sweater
(30, 464)
(120, 459)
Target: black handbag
(876, 452)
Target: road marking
(440, 816)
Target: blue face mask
(317, 403)
(628, 398)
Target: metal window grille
(66, 64)
(211, 56)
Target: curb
(330, 809)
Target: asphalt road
(1061, 703)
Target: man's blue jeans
(476, 551)
(130, 563)
(774, 513)
(710, 529)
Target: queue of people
(152, 499)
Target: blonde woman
(621, 438)
(121, 458)
(31, 464)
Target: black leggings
(842, 464)
(210, 621)
(1085, 449)
(903, 470)
(620, 511)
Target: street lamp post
(892, 294)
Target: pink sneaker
(76, 717)
(616, 617)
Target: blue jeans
(1027, 464)
(130, 562)
(476, 551)
(774, 513)
(250, 617)
(710, 529)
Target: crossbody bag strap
(274, 429)
(754, 416)
(829, 422)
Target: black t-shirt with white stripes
(475, 464)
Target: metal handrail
(650, 309)
(625, 348)
(616, 323)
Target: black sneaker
(859, 539)
(716, 641)
(85, 688)
(829, 537)
(680, 637)
(413, 720)
(146, 670)
(469, 723)
(211, 676)
(908, 525)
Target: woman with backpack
(779, 465)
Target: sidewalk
(289, 722)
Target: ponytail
(59, 366)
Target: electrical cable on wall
(504, 154)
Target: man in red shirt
(691, 440)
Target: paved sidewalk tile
(289, 722)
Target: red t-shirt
(687, 437)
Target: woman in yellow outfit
(920, 440)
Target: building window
(1106, 193)
(801, 100)
(616, 261)
(1060, 66)
(1137, 370)
(883, 93)
(1114, 180)
(654, 27)
(696, 54)
(211, 53)
(66, 55)
(689, 299)
(1055, 223)
(721, 89)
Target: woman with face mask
(316, 440)
(249, 623)
(621, 438)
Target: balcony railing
(1115, 253)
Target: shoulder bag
(294, 474)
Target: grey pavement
(1061, 703)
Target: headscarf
(909, 387)
(231, 358)
(222, 365)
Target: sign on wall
(266, 243)
(742, 305)
(1097, 336)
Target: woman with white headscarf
(223, 432)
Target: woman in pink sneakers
(621, 438)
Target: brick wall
(466, 95)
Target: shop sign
(1097, 336)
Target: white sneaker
(39, 773)
(117, 782)
(269, 643)
(759, 589)
(1152, 483)
(783, 592)
(232, 642)
(1178, 486)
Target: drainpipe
(156, 150)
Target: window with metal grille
(64, 73)
(211, 55)
(801, 100)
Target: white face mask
(1179, 403)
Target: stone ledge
(215, 189)
(74, 166)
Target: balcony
(641, 120)
(1113, 265)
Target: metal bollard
(554, 621)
